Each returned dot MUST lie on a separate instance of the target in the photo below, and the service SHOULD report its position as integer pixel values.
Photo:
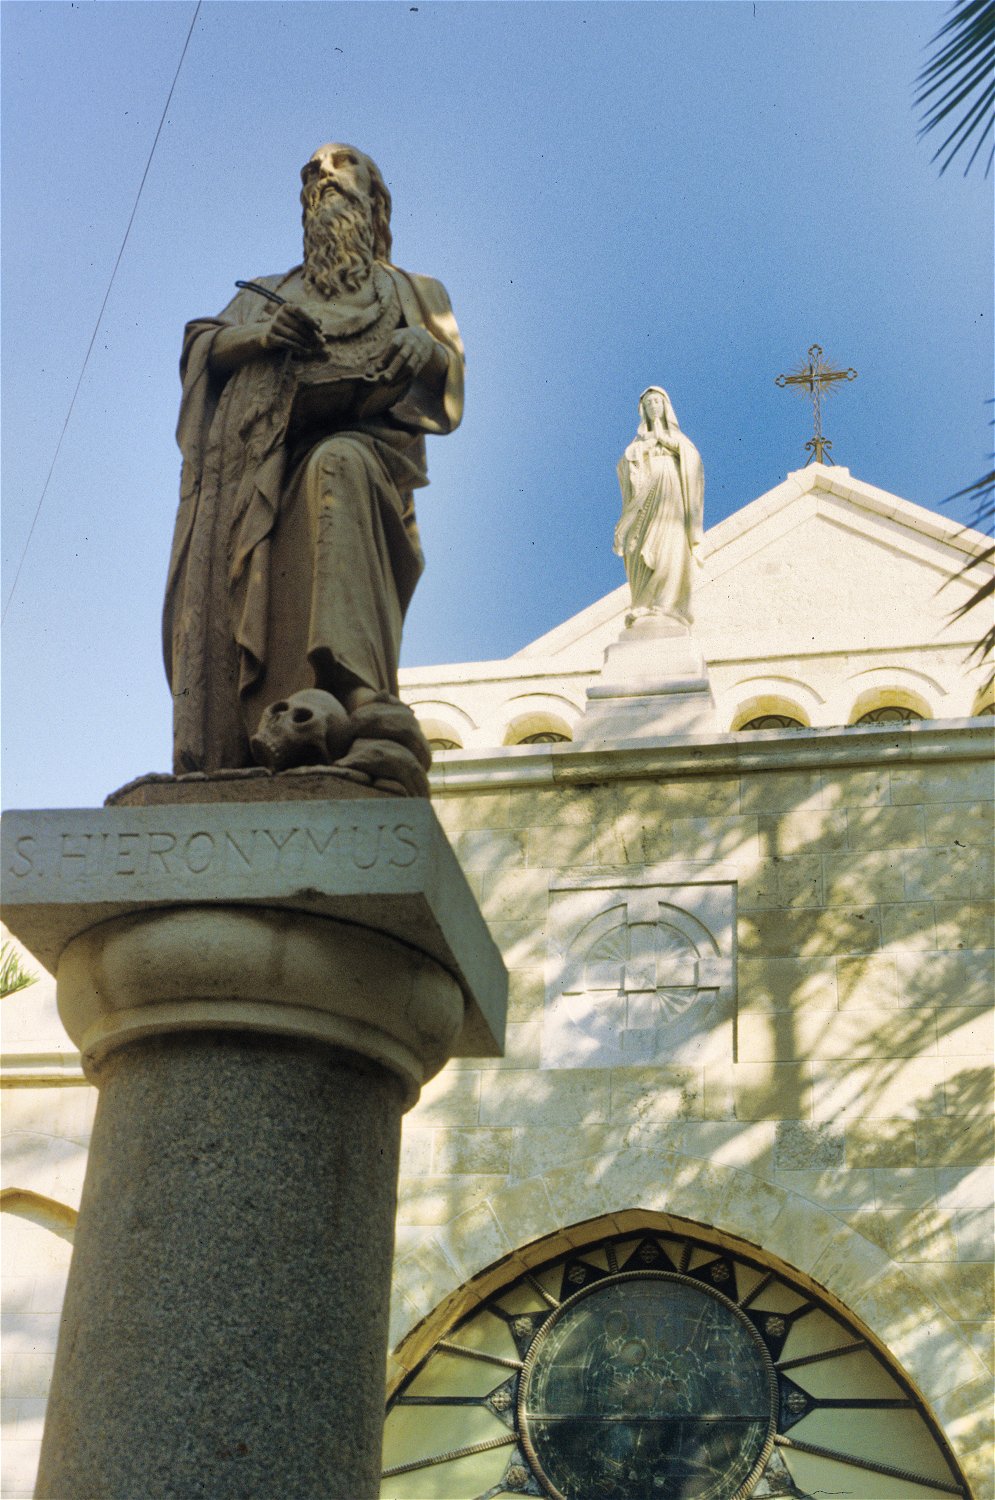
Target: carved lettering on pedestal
(67, 851)
(125, 864)
(75, 857)
(198, 852)
(404, 837)
(243, 850)
(23, 862)
(161, 845)
(278, 842)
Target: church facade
(719, 1221)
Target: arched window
(659, 1362)
(771, 721)
(893, 701)
(890, 713)
(444, 725)
(540, 726)
(770, 710)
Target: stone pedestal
(258, 992)
(654, 683)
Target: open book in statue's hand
(325, 399)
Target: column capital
(347, 922)
(263, 971)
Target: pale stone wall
(838, 1116)
(827, 1099)
(833, 1109)
(47, 1115)
(36, 1246)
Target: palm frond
(13, 975)
(982, 493)
(964, 71)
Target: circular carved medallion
(645, 1384)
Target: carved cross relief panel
(640, 969)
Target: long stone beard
(338, 243)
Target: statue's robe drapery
(294, 560)
(662, 520)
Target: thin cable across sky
(100, 314)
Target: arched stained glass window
(659, 1364)
(545, 737)
(441, 744)
(772, 721)
(890, 713)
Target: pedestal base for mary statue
(654, 683)
(259, 990)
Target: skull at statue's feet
(310, 728)
(380, 743)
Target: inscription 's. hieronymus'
(125, 852)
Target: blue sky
(687, 194)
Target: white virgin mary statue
(663, 487)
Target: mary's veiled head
(655, 410)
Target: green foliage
(13, 975)
(957, 87)
(982, 495)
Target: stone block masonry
(852, 1095)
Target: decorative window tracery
(891, 713)
(659, 1363)
(771, 721)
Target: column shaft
(225, 1323)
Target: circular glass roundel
(648, 1384)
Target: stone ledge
(928, 742)
(254, 784)
(383, 864)
(26, 1067)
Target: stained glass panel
(772, 721)
(890, 713)
(648, 1384)
(655, 1366)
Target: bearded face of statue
(343, 199)
(337, 170)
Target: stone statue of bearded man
(296, 553)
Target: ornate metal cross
(816, 379)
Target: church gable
(823, 561)
(823, 601)
(824, 577)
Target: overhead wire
(100, 314)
